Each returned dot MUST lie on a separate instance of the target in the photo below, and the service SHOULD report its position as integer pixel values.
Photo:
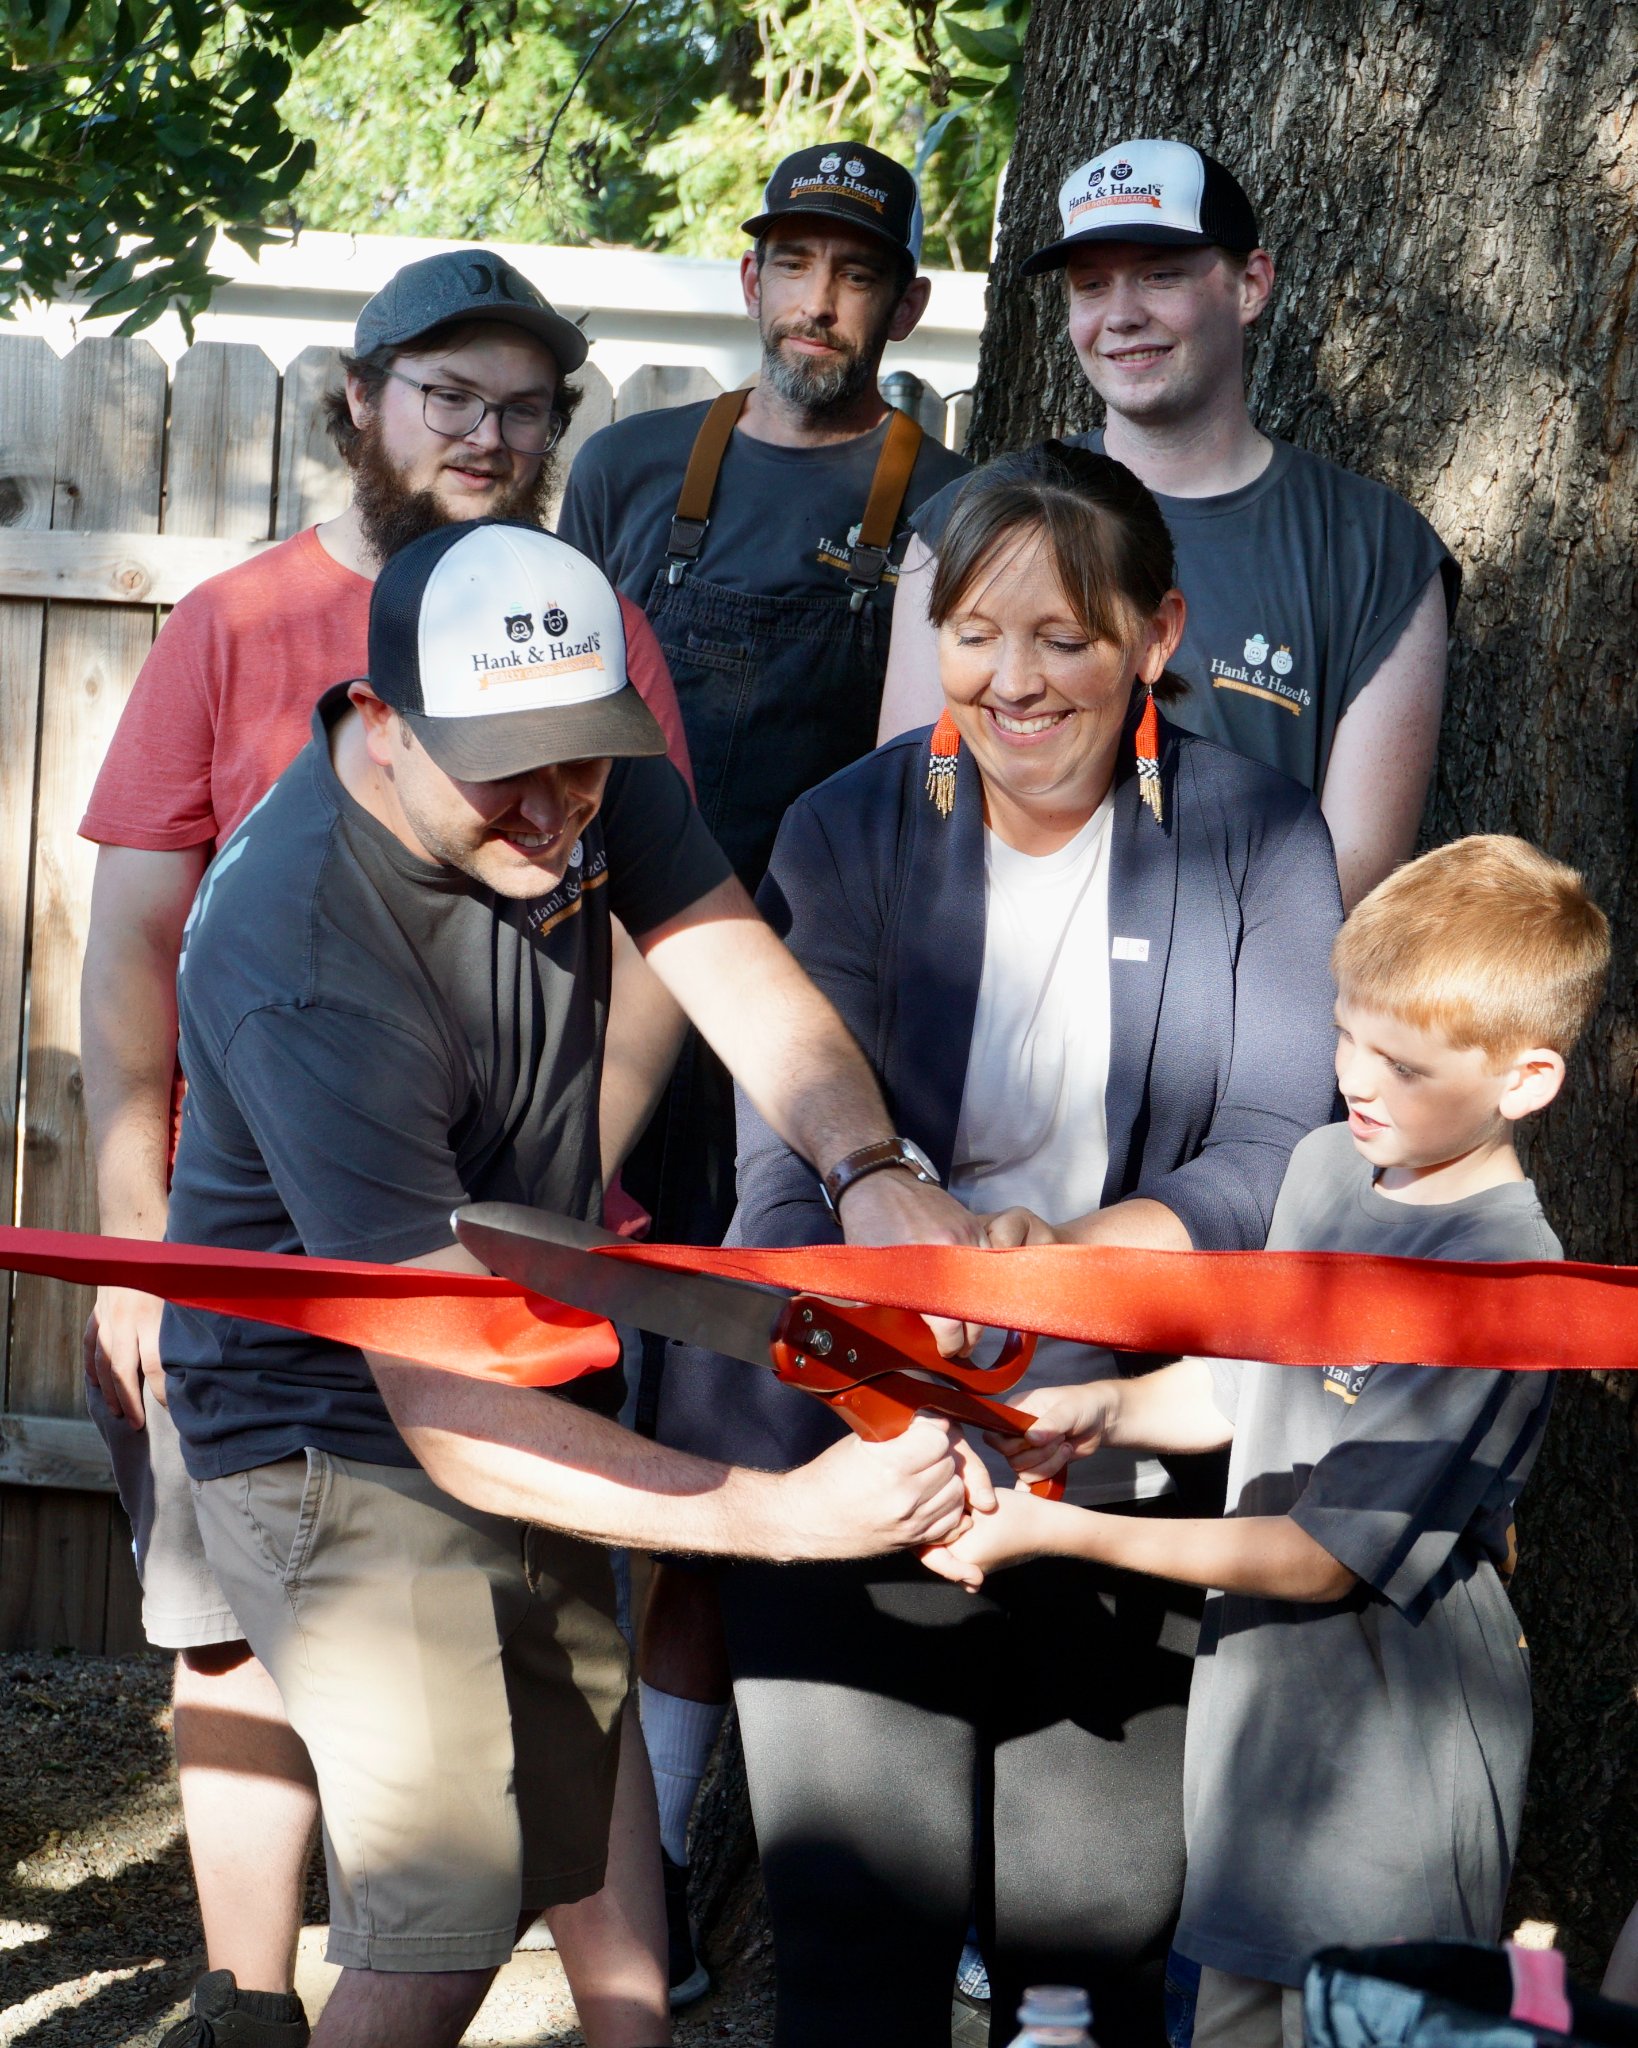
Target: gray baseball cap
(463, 284)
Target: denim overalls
(776, 694)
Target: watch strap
(875, 1158)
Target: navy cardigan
(1220, 998)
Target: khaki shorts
(183, 1608)
(457, 1679)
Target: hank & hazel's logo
(1263, 673)
(519, 625)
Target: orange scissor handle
(898, 1337)
(839, 1357)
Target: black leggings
(875, 1702)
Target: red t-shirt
(224, 702)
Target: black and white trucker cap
(1149, 191)
(505, 651)
(849, 182)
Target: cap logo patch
(855, 169)
(519, 625)
(486, 280)
(1095, 176)
(831, 162)
(1090, 202)
(1119, 171)
(555, 620)
(874, 196)
(561, 659)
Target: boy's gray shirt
(1355, 1770)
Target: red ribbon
(1293, 1308)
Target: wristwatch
(874, 1159)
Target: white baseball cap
(1149, 191)
(504, 650)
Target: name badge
(1129, 949)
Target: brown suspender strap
(699, 484)
(873, 539)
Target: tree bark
(1449, 197)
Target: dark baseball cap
(505, 650)
(1168, 193)
(463, 284)
(846, 181)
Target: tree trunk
(1449, 197)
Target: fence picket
(30, 407)
(110, 460)
(657, 385)
(219, 467)
(313, 481)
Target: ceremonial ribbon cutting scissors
(875, 1367)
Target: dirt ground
(99, 1932)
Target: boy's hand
(1073, 1422)
(1018, 1528)
(1007, 1229)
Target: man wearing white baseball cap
(450, 405)
(1319, 602)
(392, 1001)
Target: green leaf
(986, 45)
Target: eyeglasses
(527, 426)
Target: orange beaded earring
(941, 764)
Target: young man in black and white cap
(1319, 602)
(762, 535)
(453, 399)
(392, 1002)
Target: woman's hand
(1071, 1423)
(1009, 1228)
(1019, 1527)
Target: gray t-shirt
(780, 519)
(371, 1040)
(1355, 1771)
(1299, 587)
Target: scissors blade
(553, 1255)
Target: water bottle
(1054, 2016)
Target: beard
(392, 515)
(815, 387)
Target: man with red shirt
(454, 400)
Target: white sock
(681, 1735)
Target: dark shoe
(687, 1975)
(219, 2017)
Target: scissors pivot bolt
(820, 1343)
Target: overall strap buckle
(682, 548)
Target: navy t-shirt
(371, 1040)
(780, 518)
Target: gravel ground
(99, 1932)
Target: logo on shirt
(565, 900)
(1347, 1382)
(838, 554)
(1264, 674)
(519, 625)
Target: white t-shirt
(1033, 1131)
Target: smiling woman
(1089, 955)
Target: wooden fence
(119, 491)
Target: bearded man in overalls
(762, 534)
